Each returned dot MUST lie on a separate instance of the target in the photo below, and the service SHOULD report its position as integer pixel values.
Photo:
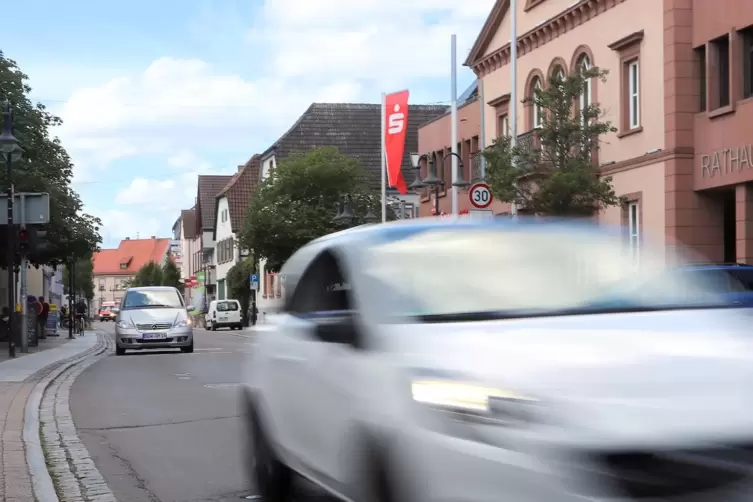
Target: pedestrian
(44, 313)
(254, 313)
(63, 315)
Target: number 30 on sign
(480, 195)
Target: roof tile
(208, 188)
(238, 191)
(355, 129)
(135, 252)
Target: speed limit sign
(480, 195)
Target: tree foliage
(298, 201)
(551, 171)
(45, 167)
(83, 278)
(238, 286)
(171, 275)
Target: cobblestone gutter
(74, 476)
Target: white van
(224, 314)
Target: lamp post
(432, 180)
(10, 151)
(345, 214)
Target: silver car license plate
(154, 336)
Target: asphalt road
(166, 426)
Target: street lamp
(346, 215)
(10, 151)
(432, 180)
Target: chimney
(128, 238)
(153, 237)
(240, 168)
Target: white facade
(267, 300)
(226, 252)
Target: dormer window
(124, 262)
(123, 266)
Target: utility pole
(71, 317)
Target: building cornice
(566, 21)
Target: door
(317, 369)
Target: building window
(700, 58)
(633, 95)
(503, 127)
(721, 55)
(584, 64)
(123, 266)
(537, 112)
(747, 39)
(101, 284)
(634, 230)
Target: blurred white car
(480, 362)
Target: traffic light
(23, 241)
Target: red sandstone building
(680, 92)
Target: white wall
(266, 306)
(224, 231)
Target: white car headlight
(125, 324)
(461, 396)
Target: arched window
(536, 108)
(559, 72)
(584, 64)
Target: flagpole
(513, 82)
(384, 160)
(454, 118)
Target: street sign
(253, 279)
(34, 208)
(480, 195)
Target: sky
(154, 93)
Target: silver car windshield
(152, 298)
(519, 273)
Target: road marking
(213, 348)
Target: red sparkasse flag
(396, 125)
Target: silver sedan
(153, 317)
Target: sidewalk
(48, 343)
(18, 377)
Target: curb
(41, 480)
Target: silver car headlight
(183, 323)
(125, 324)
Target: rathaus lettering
(726, 161)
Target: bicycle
(79, 325)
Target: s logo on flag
(396, 110)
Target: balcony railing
(529, 141)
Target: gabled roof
(188, 220)
(133, 253)
(355, 129)
(208, 187)
(499, 10)
(238, 192)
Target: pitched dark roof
(355, 129)
(238, 191)
(208, 188)
(188, 220)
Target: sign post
(480, 195)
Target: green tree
(298, 201)
(171, 275)
(83, 278)
(45, 167)
(150, 274)
(238, 284)
(551, 172)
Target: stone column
(744, 223)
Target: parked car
(153, 317)
(107, 312)
(224, 314)
(476, 361)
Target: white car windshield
(446, 272)
(227, 306)
(152, 298)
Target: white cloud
(323, 50)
